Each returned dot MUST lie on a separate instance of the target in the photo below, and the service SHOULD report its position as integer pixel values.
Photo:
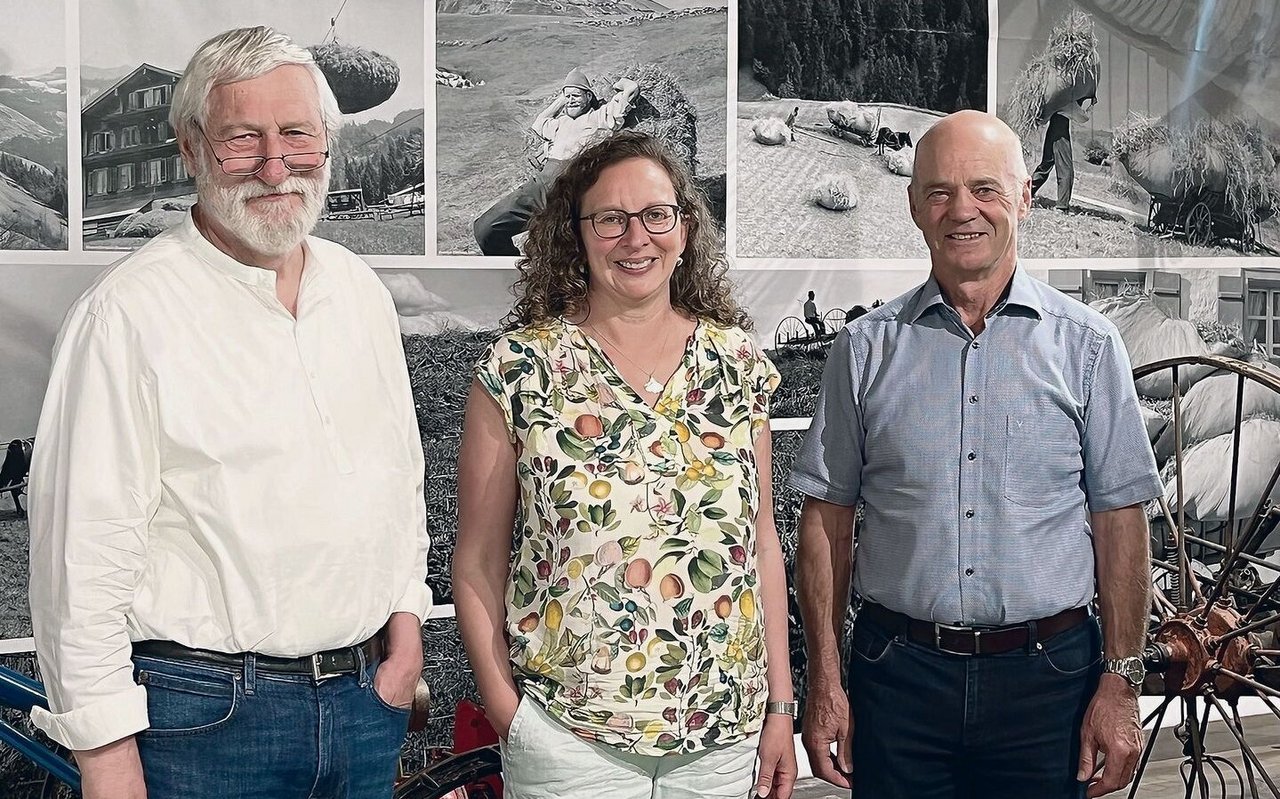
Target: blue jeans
(929, 725)
(220, 732)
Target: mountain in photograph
(33, 161)
(566, 8)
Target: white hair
(236, 55)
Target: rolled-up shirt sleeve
(1119, 467)
(94, 486)
(416, 597)
(829, 465)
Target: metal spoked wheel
(476, 774)
(833, 320)
(791, 332)
(1212, 647)
(1199, 224)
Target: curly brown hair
(553, 271)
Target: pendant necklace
(651, 385)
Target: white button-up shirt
(212, 471)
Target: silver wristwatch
(791, 709)
(1131, 668)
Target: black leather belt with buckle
(320, 666)
(958, 640)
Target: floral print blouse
(633, 608)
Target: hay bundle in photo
(662, 109)
(1230, 157)
(1067, 71)
(902, 162)
(847, 116)
(836, 191)
(360, 78)
(154, 218)
(770, 131)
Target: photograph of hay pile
(371, 52)
(854, 85)
(503, 63)
(1172, 135)
(1213, 315)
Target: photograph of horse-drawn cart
(1160, 132)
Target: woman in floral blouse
(630, 645)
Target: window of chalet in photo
(147, 98)
(100, 142)
(124, 177)
(130, 136)
(155, 172)
(98, 180)
(1262, 315)
(179, 169)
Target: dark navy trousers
(930, 725)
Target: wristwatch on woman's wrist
(791, 709)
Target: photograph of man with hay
(830, 101)
(535, 87)
(1176, 130)
(1055, 89)
(575, 118)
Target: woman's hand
(777, 758)
(501, 711)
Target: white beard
(272, 232)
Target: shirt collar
(250, 275)
(1020, 291)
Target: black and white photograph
(518, 94)
(832, 97)
(33, 127)
(1146, 134)
(371, 52)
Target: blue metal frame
(22, 693)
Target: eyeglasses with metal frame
(243, 166)
(613, 224)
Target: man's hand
(828, 720)
(397, 676)
(777, 773)
(113, 771)
(1111, 729)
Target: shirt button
(969, 513)
(973, 399)
(968, 572)
(973, 456)
(976, 344)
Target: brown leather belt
(957, 640)
(322, 665)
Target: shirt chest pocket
(1042, 461)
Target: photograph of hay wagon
(1203, 216)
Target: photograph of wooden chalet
(371, 52)
(129, 152)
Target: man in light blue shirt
(990, 426)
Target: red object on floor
(471, 730)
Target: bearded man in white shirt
(228, 538)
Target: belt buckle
(317, 673)
(937, 638)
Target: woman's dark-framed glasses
(657, 219)
(242, 166)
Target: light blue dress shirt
(979, 458)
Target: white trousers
(541, 759)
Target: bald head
(969, 189)
(970, 131)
